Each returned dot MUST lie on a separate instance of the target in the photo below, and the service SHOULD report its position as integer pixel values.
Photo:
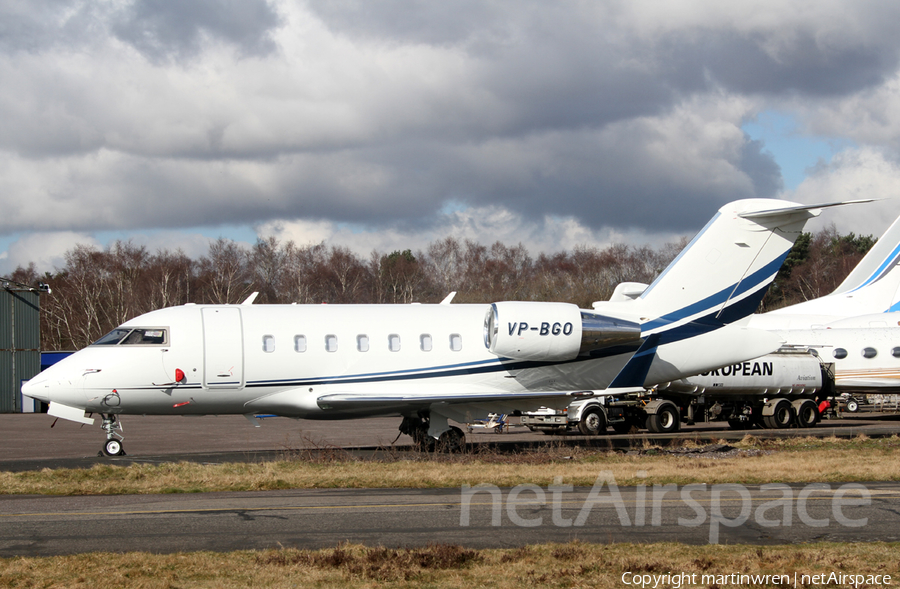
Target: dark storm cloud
(419, 21)
(161, 29)
(380, 112)
(559, 69)
(742, 64)
(35, 25)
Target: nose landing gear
(113, 446)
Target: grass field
(569, 565)
(441, 566)
(755, 461)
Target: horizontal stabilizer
(798, 208)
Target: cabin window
(362, 343)
(331, 343)
(299, 343)
(268, 344)
(394, 342)
(124, 336)
(455, 342)
(425, 342)
(839, 353)
(869, 352)
(895, 352)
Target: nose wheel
(113, 446)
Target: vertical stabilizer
(724, 272)
(872, 287)
(875, 282)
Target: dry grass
(791, 460)
(442, 566)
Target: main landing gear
(450, 440)
(113, 428)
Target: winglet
(448, 298)
(249, 300)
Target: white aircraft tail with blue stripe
(708, 292)
(723, 273)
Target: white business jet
(434, 363)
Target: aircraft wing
(405, 403)
(343, 404)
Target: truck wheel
(781, 417)
(593, 422)
(807, 414)
(665, 420)
(852, 405)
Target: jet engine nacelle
(552, 332)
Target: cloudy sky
(380, 124)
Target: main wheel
(453, 440)
(665, 420)
(781, 417)
(593, 422)
(113, 447)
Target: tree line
(98, 289)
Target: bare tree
(225, 273)
(96, 290)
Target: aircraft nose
(37, 388)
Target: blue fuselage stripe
(752, 282)
(885, 266)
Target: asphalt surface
(36, 441)
(491, 517)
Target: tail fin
(719, 279)
(724, 272)
(870, 288)
(877, 276)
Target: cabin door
(223, 348)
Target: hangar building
(20, 342)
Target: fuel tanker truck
(780, 390)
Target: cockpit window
(121, 336)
